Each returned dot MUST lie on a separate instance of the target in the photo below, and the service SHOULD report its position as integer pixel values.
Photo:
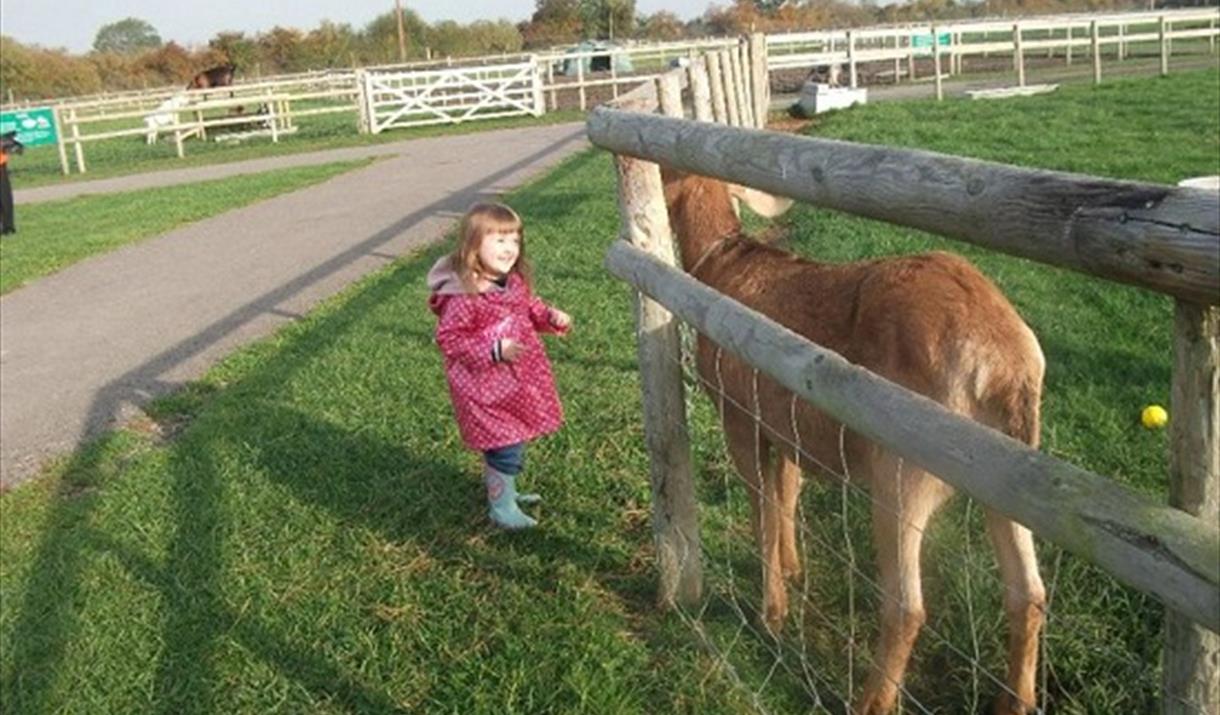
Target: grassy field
(301, 530)
(56, 234)
(130, 155)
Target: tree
(661, 25)
(329, 45)
(608, 18)
(235, 48)
(554, 22)
(127, 36)
(379, 39)
(283, 48)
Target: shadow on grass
(189, 581)
(362, 481)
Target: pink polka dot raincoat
(496, 403)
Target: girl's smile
(498, 251)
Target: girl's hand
(510, 350)
(560, 319)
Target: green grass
(302, 531)
(130, 155)
(56, 234)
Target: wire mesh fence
(826, 650)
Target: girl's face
(498, 251)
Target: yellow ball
(1154, 417)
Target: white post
(747, 93)
(715, 77)
(1096, 39)
(550, 82)
(59, 139)
(580, 81)
(80, 149)
(1164, 46)
(701, 97)
(851, 59)
(1018, 54)
(730, 88)
(940, 92)
(759, 79)
(613, 76)
(536, 82)
(911, 58)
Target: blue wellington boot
(502, 501)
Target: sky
(72, 24)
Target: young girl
(499, 376)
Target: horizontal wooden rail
(1152, 547)
(1159, 237)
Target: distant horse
(219, 76)
(164, 115)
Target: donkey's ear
(760, 202)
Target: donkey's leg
(1024, 603)
(902, 506)
(751, 454)
(789, 479)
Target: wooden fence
(947, 45)
(344, 91)
(1158, 237)
(450, 96)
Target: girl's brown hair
(479, 221)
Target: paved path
(169, 177)
(82, 350)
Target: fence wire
(821, 651)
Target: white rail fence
(891, 50)
(1165, 239)
(392, 100)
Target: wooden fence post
(1018, 55)
(362, 116)
(851, 59)
(1068, 54)
(59, 140)
(700, 91)
(743, 85)
(536, 86)
(580, 81)
(613, 77)
(731, 96)
(715, 78)
(79, 147)
(1096, 42)
(1164, 46)
(1190, 682)
(760, 79)
(675, 524)
(550, 82)
(911, 57)
(940, 91)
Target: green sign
(923, 43)
(34, 127)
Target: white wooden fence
(1161, 238)
(448, 96)
(948, 44)
(403, 96)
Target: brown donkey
(931, 323)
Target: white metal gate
(451, 95)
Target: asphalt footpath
(84, 349)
